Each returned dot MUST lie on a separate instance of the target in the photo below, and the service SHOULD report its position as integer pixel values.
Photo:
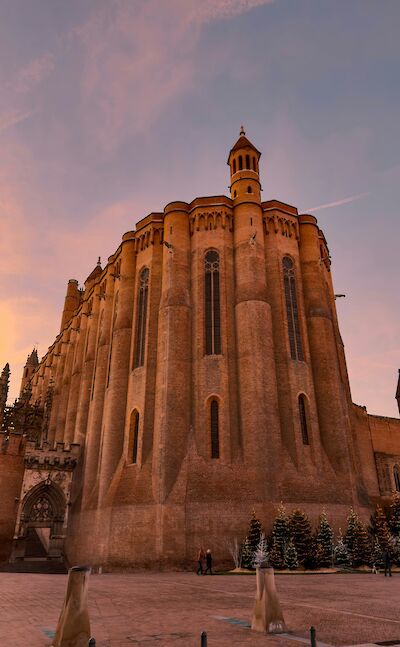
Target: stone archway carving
(43, 503)
(45, 495)
(44, 506)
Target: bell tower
(243, 162)
(258, 394)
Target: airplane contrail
(337, 203)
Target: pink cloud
(139, 57)
(33, 73)
(10, 119)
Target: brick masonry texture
(154, 498)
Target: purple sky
(109, 109)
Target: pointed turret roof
(32, 359)
(6, 370)
(243, 142)
(397, 396)
(95, 273)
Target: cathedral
(199, 375)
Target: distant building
(198, 376)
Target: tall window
(214, 429)
(292, 311)
(133, 437)
(303, 420)
(112, 337)
(396, 474)
(100, 331)
(141, 317)
(212, 303)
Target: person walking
(200, 560)
(388, 562)
(208, 562)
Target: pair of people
(201, 557)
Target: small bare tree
(261, 554)
(235, 550)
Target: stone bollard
(267, 613)
(73, 629)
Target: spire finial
(99, 262)
(242, 131)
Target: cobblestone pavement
(171, 609)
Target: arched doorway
(40, 533)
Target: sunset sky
(109, 109)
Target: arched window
(112, 337)
(254, 164)
(292, 312)
(396, 474)
(212, 303)
(214, 429)
(133, 437)
(235, 194)
(249, 189)
(240, 163)
(141, 319)
(247, 161)
(303, 419)
(234, 166)
(99, 334)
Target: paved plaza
(165, 609)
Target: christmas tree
(341, 553)
(276, 555)
(351, 532)
(301, 533)
(379, 528)
(279, 538)
(362, 549)
(247, 554)
(395, 515)
(324, 542)
(377, 554)
(291, 560)
(396, 550)
(261, 554)
(254, 533)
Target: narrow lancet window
(234, 166)
(396, 475)
(303, 420)
(212, 304)
(134, 437)
(112, 338)
(292, 311)
(214, 429)
(247, 161)
(141, 320)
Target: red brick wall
(11, 474)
